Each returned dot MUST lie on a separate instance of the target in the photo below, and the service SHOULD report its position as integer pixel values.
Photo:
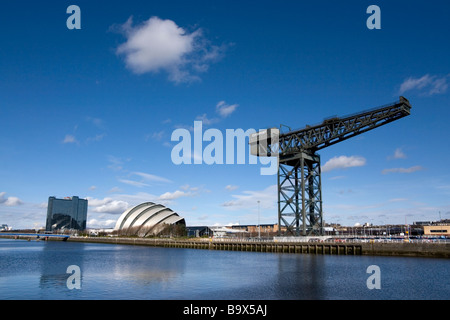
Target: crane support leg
(300, 195)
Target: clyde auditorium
(147, 219)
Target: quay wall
(412, 249)
(436, 250)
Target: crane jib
(336, 129)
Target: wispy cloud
(69, 138)
(427, 84)
(151, 177)
(224, 109)
(403, 170)
(116, 163)
(343, 162)
(398, 154)
(99, 123)
(158, 44)
(205, 120)
(78, 136)
(96, 138)
(231, 187)
(157, 136)
(133, 183)
(249, 199)
(146, 179)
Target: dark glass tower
(67, 213)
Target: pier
(266, 247)
(40, 236)
(437, 250)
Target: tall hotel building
(66, 213)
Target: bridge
(37, 235)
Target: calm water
(37, 270)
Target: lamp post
(259, 226)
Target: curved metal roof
(147, 218)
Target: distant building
(66, 213)
(436, 230)
(100, 231)
(199, 231)
(264, 229)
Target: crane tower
(299, 173)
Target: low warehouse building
(436, 230)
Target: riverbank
(407, 249)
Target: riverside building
(66, 213)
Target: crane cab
(261, 142)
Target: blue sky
(90, 112)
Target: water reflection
(54, 259)
(145, 265)
(38, 270)
(299, 277)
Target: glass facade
(67, 213)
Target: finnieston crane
(299, 173)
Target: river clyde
(34, 270)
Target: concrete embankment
(417, 249)
(412, 249)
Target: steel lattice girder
(300, 195)
(335, 130)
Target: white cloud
(107, 205)
(426, 84)
(342, 162)
(95, 223)
(69, 139)
(13, 201)
(402, 170)
(231, 187)
(174, 195)
(205, 120)
(9, 201)
(224, 110)
(157, 44)
(399, 154)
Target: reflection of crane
(299, 181)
